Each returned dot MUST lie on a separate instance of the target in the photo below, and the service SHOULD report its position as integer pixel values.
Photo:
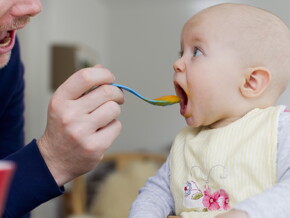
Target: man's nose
(179, 66)
(26, 8)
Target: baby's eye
(197, 52)
(180, 53)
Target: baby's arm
(155, 199)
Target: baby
(233, 159)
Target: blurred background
(137, 40)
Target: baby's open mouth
(183, 98)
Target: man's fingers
(80, 129)
(105, 114)
(82, 81)
(104, 137)
(91, 101)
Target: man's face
(14, 15)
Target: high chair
(75, 199)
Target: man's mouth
(183, 98)
(5, 39)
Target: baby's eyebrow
(193, 40)
(196, 38)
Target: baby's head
(234, 58)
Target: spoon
(161, 101)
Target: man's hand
(80, 128)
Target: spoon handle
(132, 91)
(157, 102)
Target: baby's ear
(255, 82)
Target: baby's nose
(179, 66)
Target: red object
(6, 172)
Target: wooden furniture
(75, 199)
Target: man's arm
(80, 128)
(32, 183)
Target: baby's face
(208, 73)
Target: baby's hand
(233, 214)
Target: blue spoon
(161, 101)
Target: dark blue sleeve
(32, 183)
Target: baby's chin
(190, 121)
(195, 123)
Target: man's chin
(4, 59)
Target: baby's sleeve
(154, 199)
